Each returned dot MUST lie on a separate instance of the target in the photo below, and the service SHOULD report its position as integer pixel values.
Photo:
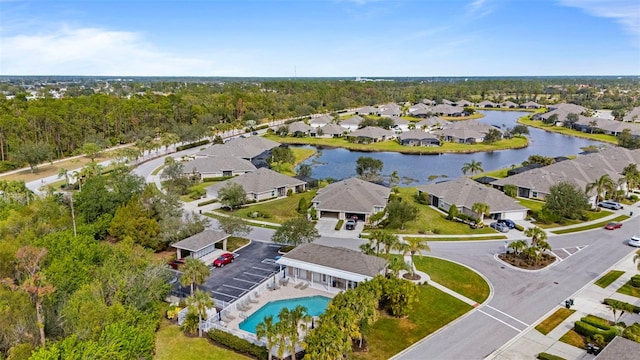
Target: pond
(417, 169)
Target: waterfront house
(261, 184)
(352, 197)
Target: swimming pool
(315, 305)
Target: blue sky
(307, 38)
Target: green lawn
(534, 205)
(590, 216)
(562, 130)
(456, 277)
(460, 238)
(433, 310)
(500, 173)
(573, 338)
(591, 226)
(394, 146)
(233, 243)
(276, 211)
(608, 278)
(554, 320)
(171, 344)
(432, 221)
(629, 289)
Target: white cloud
(479, 8)
(624, 12)
(93, 51)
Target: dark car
(613, 226)
(223, 260)
(350, 225)
(507, 222)
(499, 227)
(175, 264)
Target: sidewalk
(587, 300)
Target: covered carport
(201, 246)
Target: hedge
(339, 224)
(635, 281)
(547, 356)
(585, 329)
(212, 201)
(192, 145)
(238, 344)
(608, 301)
(596, 321)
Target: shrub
(519, 227)
(313, 213)
(453, 212)
(196, 194)
(589, 330)
(203, 203)
(8, 165)
(238, 344)
(596, 321)
(289, 192)
(218, 178)
(636, 309)
(422, 198)
(635, 281)
(303, 206)
(510, 190)
(632, 332)
(339, 224)
(547, 356)
(192, 145)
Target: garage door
(361, 217)
(329, 214)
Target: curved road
(519, 298)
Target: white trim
(322, 269)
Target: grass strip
(458, 278)
(629, 289)
(608, 278)
(573, 338)
(554, 320)
(591, 226)
(456, 238)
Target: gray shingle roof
(620, 349)
(214, 164)
(372, 132)
(354, 120)
(446, 109)
(417, 135)
(246, 148)
(433, 121)
(259, 181)
(201, 240)
(299, 126)
(338, 258)
(332, 129)
(352, 195)
(633, 115)
(466, 192)
(321, 120)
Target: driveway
(326, 227)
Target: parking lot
(253, 265)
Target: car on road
(350, 224)
(634, 241)
(176, 264)
(608, 204)
(499, 227)
(223, 260)
(508, 222)
(613, 226)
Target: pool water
(315, 305)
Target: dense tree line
(191, 110)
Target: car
(634, 241)
(608, 204)
(254, 133)
(507, 222)
(176, 264)
(499, 227)
(613, 226)
(223, 260)
(350, 225)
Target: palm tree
(472, 167)
(194, 272)
(397, 264)
(481, 209)
(631, 176)
(414, 246)
(615, 306)
(602, 185)
(592, 125)
(518, 246)
(200, 302)
(296, 316)
(267, 329)
(536, 234)
(282, 331)
(367, 248)
(385, 238)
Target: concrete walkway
(587, 300)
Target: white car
(635, 241)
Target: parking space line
(565, 250)
(262, 276)
(257, 268)
(224, 294)
(557, 257)
(234, 287)
(249, 281)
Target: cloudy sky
(320, 37)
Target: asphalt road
(519, 299)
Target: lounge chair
(304, 286)
(298, 285)
(228, 318)
(284, 281)
(253, 300)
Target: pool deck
(283, 292)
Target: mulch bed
(409, 277)
(521, 262)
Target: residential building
(351, 197)
(262, 184)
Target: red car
(175, 264)
(613, 226)
(223, 260)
